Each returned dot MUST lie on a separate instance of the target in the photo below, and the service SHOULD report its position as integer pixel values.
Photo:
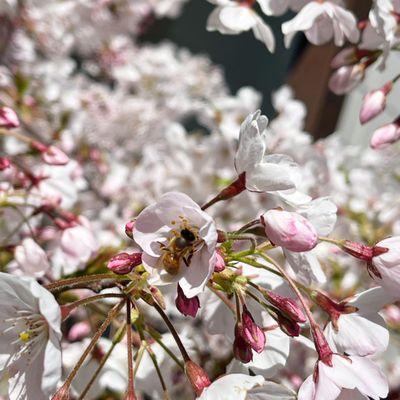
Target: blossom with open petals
(355, 373)
(178, 240)
(263, 172)
(30, 353)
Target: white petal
(238, 18)
(251, 142)
(306, 266)
(360, 336)
(273, 7)
(229, 387)
(322, 214)
(264, 33)
(271, 391)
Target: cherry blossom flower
(321, 21)
(361, 332)
(30, 340)
(79, 244)
(387, 264)
(233, 386)
(178, 240)
(232, 17)
(31, 259)
(263, 172)
(355, 373)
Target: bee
(181, 247)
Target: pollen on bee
(24, 336)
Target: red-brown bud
(185, 305)
(287, 305)
(324, 351)
(198, 378)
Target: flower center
(183, 243)
(28, 330)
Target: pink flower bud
(346, 78)
(219, 262)
(289, 230)
(345, 56)
(54, 156)
(241, 349)
(374, 103)
(51, 155)
(385, 135)
(8, 118)
(79, 331)
(123, 263)
(129, 229)
(185, 305)
(4, 163)
(287, 305)
(251, 332)
(198, 378)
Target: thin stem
(173, 331)
(116, 339)
(228, 192)
(131, 375)
(110, 316)
(214, 200)
(166, 349)
(259, 301)
(248, 225)
(224, 299)
(82, 279)
(235, 236)
(17, 135)
(91, 299)
(157, 367)
(256, 264)
(330, 240)
(146, 346)
(237, 301)
(139, 356)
